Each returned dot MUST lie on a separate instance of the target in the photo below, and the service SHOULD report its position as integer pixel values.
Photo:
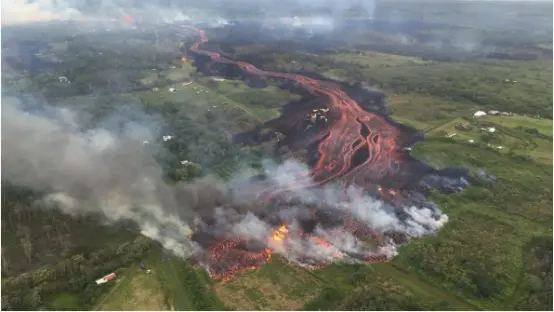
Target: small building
(171, 89)
(491, 129)
(106, 278)
(479, 114)
(494, 112)
(167, 138)
(471, 141)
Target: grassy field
(135, 290)
(170, 284)
(413, 109)
(276, 286)
(508, 136)
(543, 125)
(377, 59)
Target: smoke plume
(96, 171)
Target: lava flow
(355, 146)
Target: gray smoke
(96, 171)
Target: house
(494, 112)
(479, 114)
(106, 278)
(171, 89)
(491, 129)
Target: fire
(321, 241)
(279, 234)
(183, 59)
(128, 19)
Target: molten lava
(358, 146)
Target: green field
(377, 59)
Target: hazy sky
(20, 11)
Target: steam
(382, 218)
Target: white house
(106, 278)
(479, 114)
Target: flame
(321, 241)
(128, 19)
(183, 59)
(279, 234)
